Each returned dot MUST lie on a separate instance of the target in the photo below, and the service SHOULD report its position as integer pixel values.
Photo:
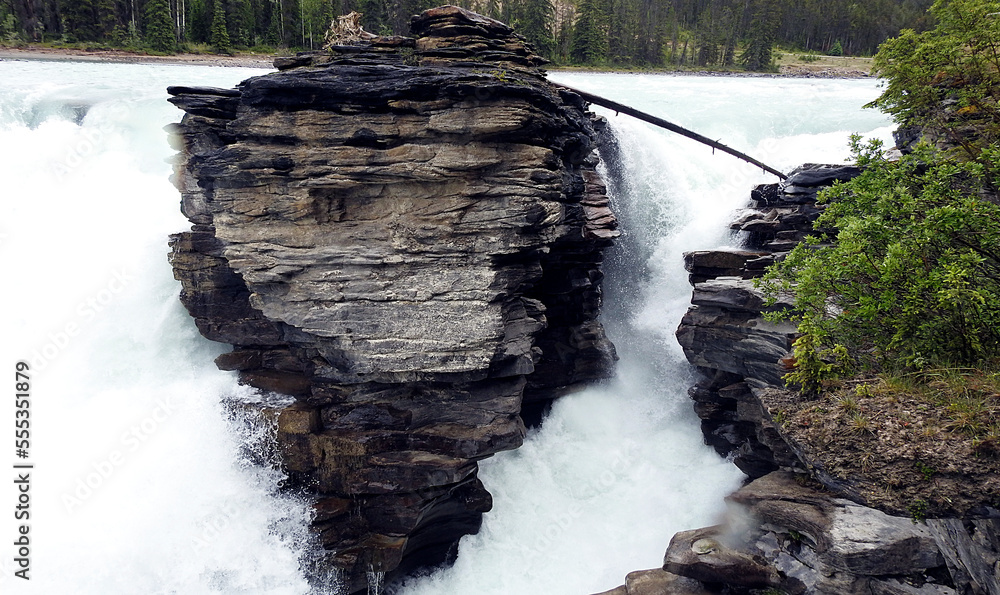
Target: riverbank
(127, 57)
(789, 65)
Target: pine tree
(274, 28)
(240, 21)
(81, 20)
(105, 18)
(590, 35)
(159, 26)
(623, 31)
(199, 19)
(535, 23)
(758, 54)
(707, 38)
(8, 28)
(291, 22)
(400, 12)
(220, 33)
(374, 15)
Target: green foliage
(159, 27)
(274, 28)
(759, 51)
(374, 14)
(947, 78)
(89, 20)
(926, 471)
(918, 510)
(912, 277)
(126, 37)
(239, 19)
(837, 49)
(815, 363)
(198, 21)
(590, 34)
(220, 31)
(535, 20)
(8, 29)
(622, 32)
(713, 37)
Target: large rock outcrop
(406, 235)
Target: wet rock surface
(785, 534)
(406, 235)
(813, 542)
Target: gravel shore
(120, 56)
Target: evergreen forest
(645, 33)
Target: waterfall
(142, 483)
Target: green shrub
(956, 63)
(906, 272)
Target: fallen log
(624, 109)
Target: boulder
(657, 582)
(787, 535)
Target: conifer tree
(240, 21)
(623, 31)
(535, 23)
(758, 54)
(80, 17)
(374, 15)
(105, 18)
(707, 38)
(199, 20)
(274, 36)
(220, 33)
(590, 34)
(159, 26)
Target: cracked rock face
(406, 235)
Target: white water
(140, 484)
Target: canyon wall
(405, 234)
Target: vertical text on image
(22, 468)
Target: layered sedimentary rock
(724, 332)
(406, 235)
